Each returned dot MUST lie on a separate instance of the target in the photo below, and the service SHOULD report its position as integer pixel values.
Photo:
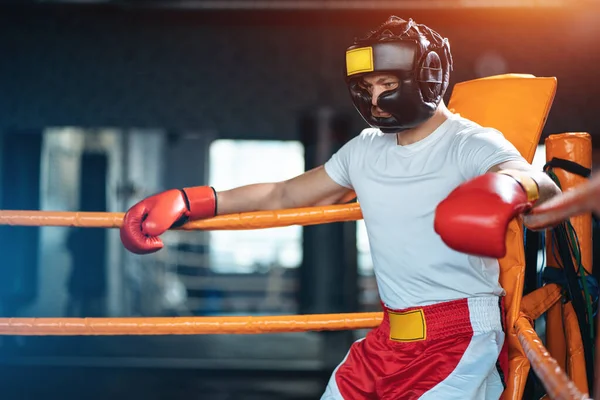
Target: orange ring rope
(555, 381)
(241, 221)
(187, 325)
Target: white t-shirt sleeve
(338, 166)
(480, 151)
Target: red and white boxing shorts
(449, 350)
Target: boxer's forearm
(255, 197)
(311, 188)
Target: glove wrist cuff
(529, 185)
(201, 201)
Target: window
(235, 163)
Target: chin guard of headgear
(417, 55)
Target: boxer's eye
(366, 86)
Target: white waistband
(485, 314)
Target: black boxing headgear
(417, 55)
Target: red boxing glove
(474, 218)
(154, 215)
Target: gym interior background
(103, 103)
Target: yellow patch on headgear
(359, 60)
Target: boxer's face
(375, 84)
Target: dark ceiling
(325, 4)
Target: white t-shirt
(399, 187)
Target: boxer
(429, 183)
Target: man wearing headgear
(437, 193)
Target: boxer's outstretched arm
(312, 188)
(145, 221)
